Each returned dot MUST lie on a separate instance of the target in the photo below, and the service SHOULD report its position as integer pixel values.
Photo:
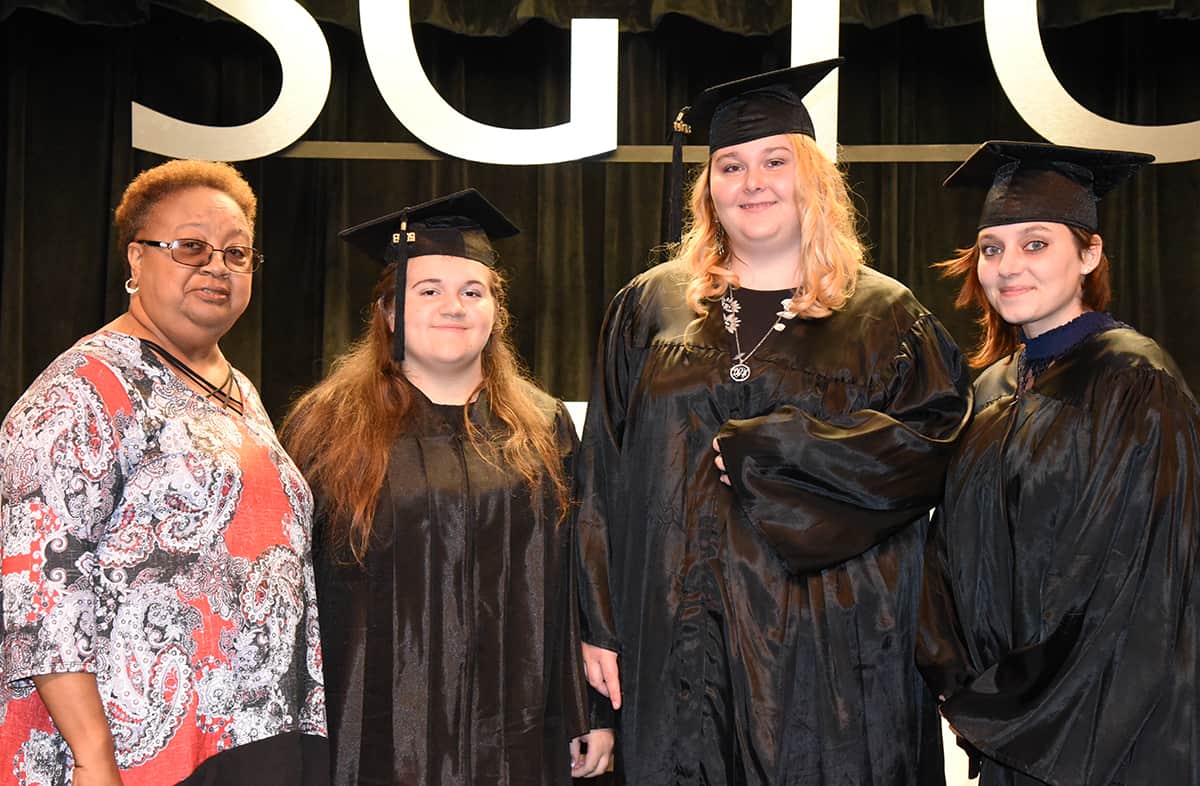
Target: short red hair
(155, 184)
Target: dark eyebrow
(204, 227)
(439, 282)
(1029, 230)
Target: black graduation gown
(766, 631)
(453, 657)
(1059, 613)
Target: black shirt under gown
(1059, 615)
(453, 656)
(766, 631)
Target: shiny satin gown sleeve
(583, 708)
(823, 491)
(1103, 672)
(596, 475)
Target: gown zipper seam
(470, 607)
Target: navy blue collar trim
(1055, 342)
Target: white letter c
(1015, 43)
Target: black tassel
(680, 129)
(399, 253)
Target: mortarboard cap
(461, 224)
(458, 225)
(1032, 181)
(742, 111)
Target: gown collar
(425, 415)
(1054, 343)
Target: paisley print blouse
(161, 542)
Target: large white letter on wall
(392, 54)
(304, 59)
(814, 38)
(1015, 42)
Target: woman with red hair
(1059, 613)
(444, 526)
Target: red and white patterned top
(161, 542)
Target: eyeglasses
(196, 253)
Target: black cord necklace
(224, 394)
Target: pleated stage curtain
(502, 17)
(918, 72)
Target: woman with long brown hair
(1059, 612)
(751, 599)
(441, 473)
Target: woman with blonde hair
(769, 425)
(444, 526)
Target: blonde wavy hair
(340, 432)
(830, 249)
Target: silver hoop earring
(130, 287)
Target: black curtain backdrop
(918, 72)
(502, 17)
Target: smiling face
(449, 313)
(1032, 273)
(190, 306)
(753, 188)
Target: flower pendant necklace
(740, 370)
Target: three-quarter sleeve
(61, 475)
(596, 709)
(824, 490)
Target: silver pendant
(739, 372)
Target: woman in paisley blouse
(159, 621)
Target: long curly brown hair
(341, 431)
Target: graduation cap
(461, 224)
(1033, 181)
(741, 111)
